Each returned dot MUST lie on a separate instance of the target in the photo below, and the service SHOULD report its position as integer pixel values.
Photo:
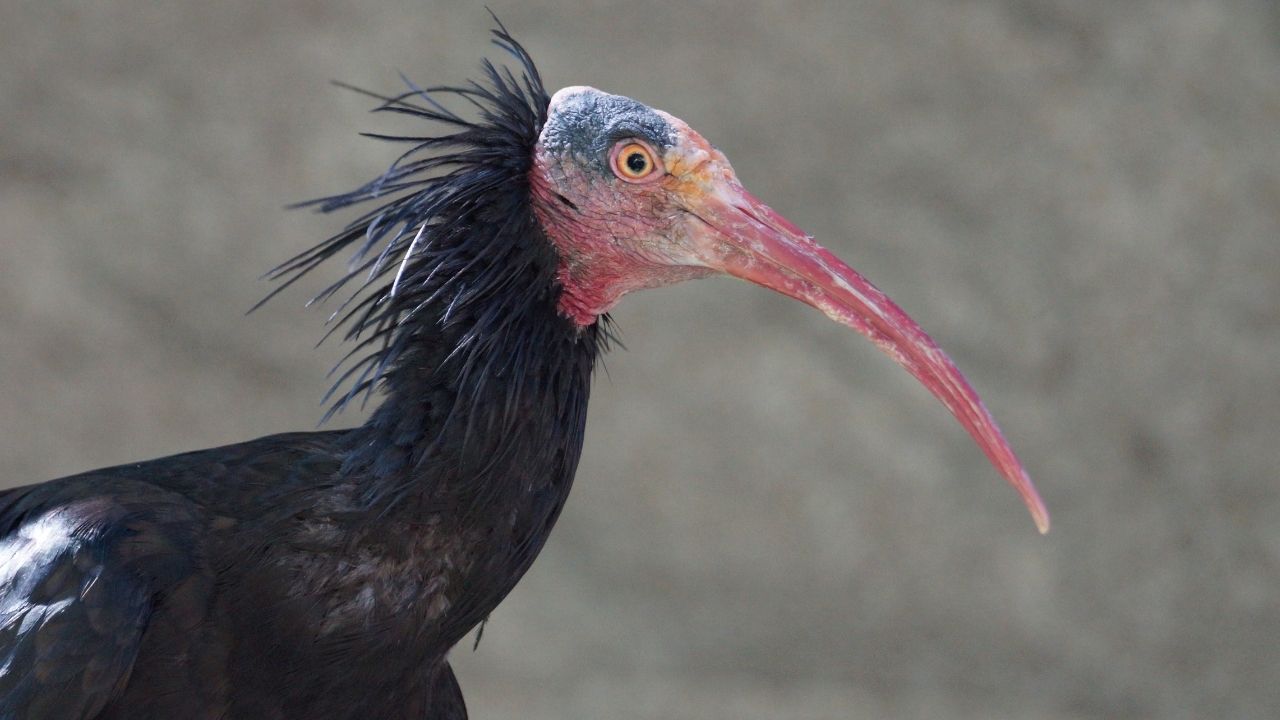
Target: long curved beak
(735, 233)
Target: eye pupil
(633, 161)
(637, 162)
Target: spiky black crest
(456, 230)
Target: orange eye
(635, 161)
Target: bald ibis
(328, 574)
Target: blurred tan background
(1080, 200)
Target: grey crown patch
(588, 123)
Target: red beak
(743, 237)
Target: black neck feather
(453, 313)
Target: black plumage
(327, 574)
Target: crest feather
(454, 226)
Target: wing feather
(75, 600)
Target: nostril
(746, 210)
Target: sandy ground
(1080, 200)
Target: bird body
(185, 587)
(328, 574)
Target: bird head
(632, 198)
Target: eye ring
(634, 161)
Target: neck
(475, 409)
(472, 455)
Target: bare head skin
(634, 198)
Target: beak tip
(1039, 513)
(1041, 516)
(1018, 478)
